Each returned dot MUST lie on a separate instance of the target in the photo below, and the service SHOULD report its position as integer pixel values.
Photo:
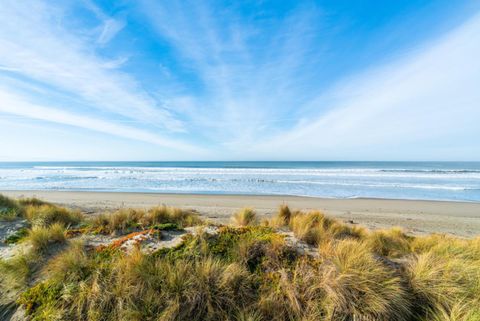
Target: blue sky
(246, 80)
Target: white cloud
(35, 44)
(110, 29)
(249, 72)
(110, 25)
(256, 78)
(421, 106)
(15, 105)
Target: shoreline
(415, 216)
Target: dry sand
(416, 217)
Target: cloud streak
(249, 73)
(426, 99)
(35, 45)
(12, 104)
(249, 84)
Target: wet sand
(416, 217)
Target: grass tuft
(33, 201)
(128, 220)
(245, 217)
(439, 283)
(46, 215)
(41, 237)
(284, 215)
(358, 286)
(9, 209)
(249, 272)
(391, 243)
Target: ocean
(397, 180)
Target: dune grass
(45, 215)
(250, 272)
(9, 209)
(352, 274)
(314, 228)
(126, 220)
(14, 272)
(245, 217)
(37, 212)
(41, 237)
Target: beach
(416, 217)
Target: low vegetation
(125, 220)
(41, 238)
(247, 271)
(244, 217)
(9, 209)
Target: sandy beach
(416, 217)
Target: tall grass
(252, 273)
(125, 220)
(314, 228)
(138, 287)
(32, 201)
(391, 243)
(358, 286)
(41, 237)
(71, 265)
(46, 215)
(245, 217)
(441, 283)
(9, 208)
(14, 272)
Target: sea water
(402, 180)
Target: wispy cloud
(35, 44)
(15, 105)
(248, 71)
(260, 86)
(242, 82)
(110, 26)
(426, 103)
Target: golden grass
(314, 228)
(245, 217)
(46, 215)
(14, 272)
(358, 286)
(125, 220)
(284, 214)
(164, 214)
(32, 201)
(119, 221)
(137, 287)
(9, 209)
(391, 243)
(36, 211)
(439, 283)
(71, 265)
(459, 312)
(249, 272)
(41, 237)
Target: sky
(239, 80)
